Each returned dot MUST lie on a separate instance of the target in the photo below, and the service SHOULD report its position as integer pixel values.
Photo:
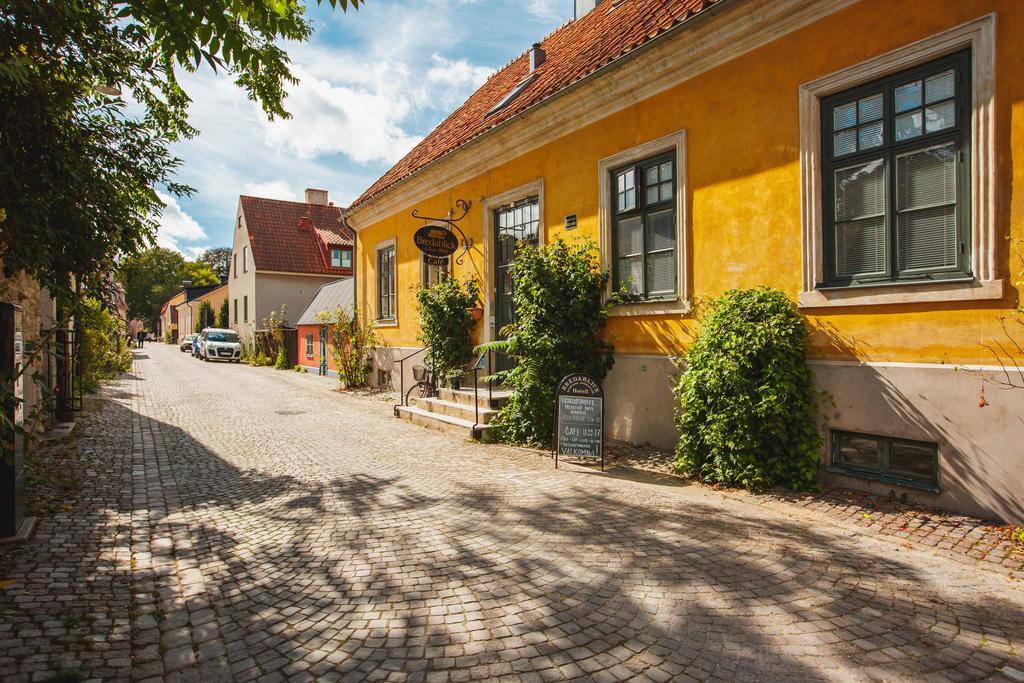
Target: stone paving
(244, 524)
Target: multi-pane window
(341, 258)
(901, 460)
(245, 309)
(245, 260)
(234, 264)
(895, 177)
(236, 311)
(644, 228)
(386, 283)
(309, 345)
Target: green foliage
(1017, 535)
(222, 315)
(281, 362)
(745, 401)
(204, 316)
(352, 343)
(154, 275)
(218, 259)
(559, 297)
(299, 368)
(104, 350)
(168, 337)
(79, 168)
(445, 324)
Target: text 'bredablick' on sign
(434, 240)
(579, 418)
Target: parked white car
(218, 344)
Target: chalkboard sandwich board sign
(579, 418)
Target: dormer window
(341, 258)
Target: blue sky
(372, 84)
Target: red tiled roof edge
(636, 24)
(279, 243)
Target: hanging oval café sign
(434, 240)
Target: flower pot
(477, 313)
(455, 382)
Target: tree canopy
(218, 258)
(154, 275)
(90, 102)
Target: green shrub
(745, 401)
(222, 315)
(559, 293)
(446, 323)
(281, 362)
(204, 317)
(351, 345)
(104, 351)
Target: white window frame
(979, 36)
(673, 142)
(335, 249)
(490, 205)
(379, 247)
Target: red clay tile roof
(574, 51)
(279, 243)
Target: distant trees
(219, 259)
(154, 275)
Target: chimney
(584, 6)
(537, 57)
(305, 223)
(316, 196)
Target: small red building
(314, 341)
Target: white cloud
(457, 78)
(272, 189)
(176, 227)
(545, 9)
(362, 122)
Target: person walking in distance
(141, 337)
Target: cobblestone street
(238, 523)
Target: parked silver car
(219, 344)
(186, 342)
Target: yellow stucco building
(860, 155)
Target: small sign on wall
(570, 221)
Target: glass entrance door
(514, 224)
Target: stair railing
(403, 397)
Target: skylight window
(513, 94)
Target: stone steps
(454, 410)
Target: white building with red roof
(282, 252)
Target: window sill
(675, 306)
(880, 295)
(391, 322)
(896, 481)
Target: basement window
(899, 461)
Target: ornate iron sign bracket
(452, 223)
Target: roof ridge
(291, 201)
(576, 50)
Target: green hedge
(745, 401)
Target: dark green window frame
(644, 191)
(386, 283)
(891, 151)
(887, 465)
